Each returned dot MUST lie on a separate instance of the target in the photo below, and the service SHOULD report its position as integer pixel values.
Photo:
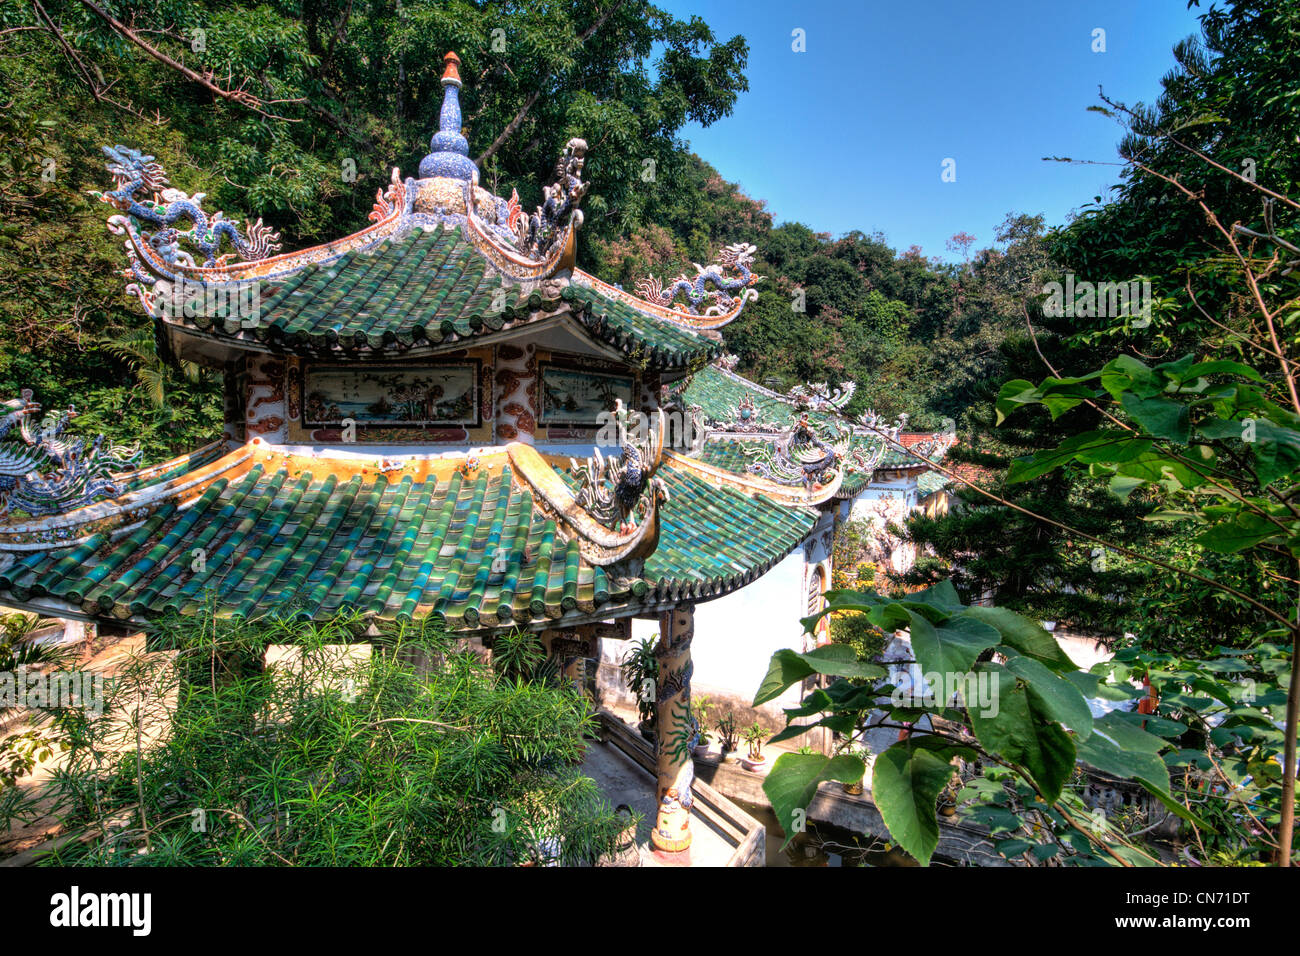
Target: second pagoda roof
(266, 530)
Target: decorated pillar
(516, 393)
(677, 730)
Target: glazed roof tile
(307, 536)
(428, 288)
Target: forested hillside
(295, 113)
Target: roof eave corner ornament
(623, 493)
(717, 292)
(143, 197)
(614, 513)
(558, 218)
(42, 472)
(821, 397)
(799, 456)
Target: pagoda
(440, 416)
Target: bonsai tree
(726, 726)
(754, 736)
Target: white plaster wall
(736, 635)
(904, 488)
(1085, 650)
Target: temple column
(676, 730)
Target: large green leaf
(1026, 636)
(1053, 696)
(1106, 445)
(1120, 748)
(1242, 530)
(1123, 750)
(1016, 731)
(792, 783)
(788, 667)
(905, 785)
(1160, 417)
(1128, 374)
(950, 647)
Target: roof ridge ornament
(135, 176)
(729, 275)
(744, 416)
(821, 397)
(449, 149)
(874, 422)
(558, 214)
(43, 473)
(800, 456)
(389, 201)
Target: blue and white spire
(449, 150)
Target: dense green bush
(416, 754)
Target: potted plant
(726, 727)
(948, 797)
(701, 707)
(702, 745)
(640, 673)
(754, 737)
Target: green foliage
(726, 727)
(1027, 715)
(337, 87)
(754, 735)
(416, 754)
(640, 674)
(21, 751)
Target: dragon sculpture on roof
(934, 446)
(800, 456)
(620, 492)
(142, 192)
(538, 232)
(820, 397)
(874, 422)
(730, 277)
(144, 199)
(44, 473)
(745, 416)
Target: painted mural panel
(392, 395)
(575, 396)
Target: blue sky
(852, 133)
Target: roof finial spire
(449, 150)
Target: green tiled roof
(931, 482)
(432, 288)
(174, 468)
(287, 535)
(718, 393)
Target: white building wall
(901, 488)
(736, 635)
